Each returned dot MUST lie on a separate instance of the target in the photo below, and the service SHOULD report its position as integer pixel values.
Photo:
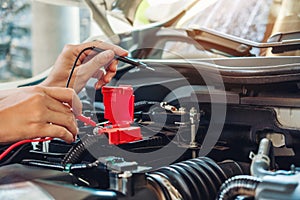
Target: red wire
(9, 149)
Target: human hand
(37, 111)
(89, 65)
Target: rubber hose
(238, 185)
(198, 178)
(77, 151)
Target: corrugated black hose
(77, 152)
(198, 178)
(243, 185)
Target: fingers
(37, 111)
(93, 67)
(57, 106)
(106, 46)
(63, 120)
(89, 53)
(65, 95)
(104, 78)
(111, 71)
(72, 51)
(87, 66)
(55, 131)
(60, 115)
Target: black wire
(74, 65)
(67, 85)
(124, 59)
(11, 158)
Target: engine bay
(206, 106)
(191, 129)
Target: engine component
(264, 184)
(279, 187)
(276, 187)
(119, 107)
(238, 185)
(77, 151)
(197, 178)
(118, 164)
(261, 162)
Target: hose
(77, 152)
(59, 166)
(238, 185)
(198, 178)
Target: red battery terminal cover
(119, 111)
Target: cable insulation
(13, 146)
(75, 63)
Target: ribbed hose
(194, 179)
(76, 153)
(238, 185)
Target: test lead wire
(128, 60)
(124, 59)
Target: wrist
(6, 93)
(49, 82)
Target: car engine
(178, 137)
(206, 128)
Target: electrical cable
(15, 154)
(80, 148)
(74, 65)
(124, 59)
(59, 166)
(77, 151)
(13, 146)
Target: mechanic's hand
(37, 111)
(89, 65)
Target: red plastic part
(118, 103)
(119, 110)
(86, 120)
(122, 135)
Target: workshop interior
(205, 106)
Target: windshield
(252, 20)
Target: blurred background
(33, 32)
